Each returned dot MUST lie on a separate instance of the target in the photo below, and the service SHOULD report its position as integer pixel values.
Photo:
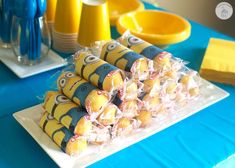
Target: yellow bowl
(156, 27)
(120, 7)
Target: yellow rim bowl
(156, 27)
(119, 7)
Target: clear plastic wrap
(110, 115)
(100, 73)
(100, 135)
(163, 61)
(73, 117)
(67, 141)
(83, 93)
(124, 58)
(102, 102)
(129, 108)
(124, 127)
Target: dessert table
(205, 139)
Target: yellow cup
(67, 16)
(94, 24)
(50, 12)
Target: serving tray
(29, 119)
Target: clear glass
(5, 24)
(30, 40)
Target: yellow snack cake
(100, 73)
(129, 91)
(108, 115)
(99, 135)
(152, 84)
(125, 59)
(145, 118)
(152, 103)
(123, 127)
(144, 48)
(67, 141)
(129, 108)
(73, 117)
(190, 85)
(82, 92)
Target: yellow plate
(156, 27)
(120, 7)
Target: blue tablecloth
(202, 140)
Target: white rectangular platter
(29, 119)
(51, 61)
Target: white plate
(29, 119)
(50, 62)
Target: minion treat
(99, 135)
(152, 85)
(82, 92)
(109, 115)
(152, 103)
(125, 59)
(68, 142)
(129, 91)
(100, 73)
(123, 127)
(73, 117)
(189, 84)
(144, 48)
(128, 108)
(144, 117)
(170, 90)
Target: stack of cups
(66, 26)
(50, 14)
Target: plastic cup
(29, 57)
(66, 43)
(94, 24)
(5, 23)
(51, 9)
(67, 16)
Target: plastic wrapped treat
(99, 135)
(73, 117)
(67, 141)
(171, 74)
(142, 47)
(129, 108)
(152, 84)
(169, 92)
(126, 59)
(100, 73)
(152, 103)
(163, 61)
(123, 127)
(83, 93)
(109, 115)
(190, 84)
(144, 117)
(130, 90)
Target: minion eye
(50, 117)
(90, 59)
(112, 46)
(62, 82)
(134, 40)
(61, 99)
(69, 75)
